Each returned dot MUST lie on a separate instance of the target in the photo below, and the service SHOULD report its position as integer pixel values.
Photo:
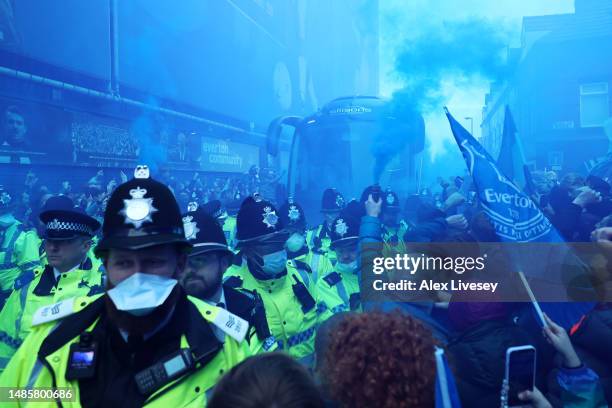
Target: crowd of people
(297, 331)
(275, 315)
(101, 139)
(91, 194)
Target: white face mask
(274, 263)
(347, 267)
(295, 242)
(141, 293)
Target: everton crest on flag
(513, 214)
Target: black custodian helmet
(390, 202)
(204, 233)
(332, 200)
(292, 215)
(344, 230)
(257, 220)
(215, 209)
(141, 213)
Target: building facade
(558, 89)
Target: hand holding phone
(535, 399)
(520, 373)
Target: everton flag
(515, 218)
(514, 215)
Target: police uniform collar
(238, 303)
(71, 327)
(199, 333)
(293, 255)
(48, 280)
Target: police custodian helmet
(292, 215)
(332, 200)
(141, 213)
(203, 231)
(344, 230)
(257, 221)
(63, 221)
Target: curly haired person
(382, 360)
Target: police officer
(332, 203)
(228, 224)
(203, 278)
(294, 222)
(393, 228)
(289, 302)
(70, 272)
(144, 342)
(18, 247)
(344, 280)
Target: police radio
(162, 372)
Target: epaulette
(59, 310)
(233, 282)
(332, 278)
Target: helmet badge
(269, 217)
(294, 213)
(341, 227)
(138, 209)
(191, 228)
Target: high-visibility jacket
(291, 308)
(229, 229)
(249, 306)
(393, 237)
(343, 291)
(318, 263)
(43, 290)
(42, 361)
(18, 255)
(319, 241)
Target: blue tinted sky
(404, 22)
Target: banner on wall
(226, 156)
(33, 133)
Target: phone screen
(521, 374)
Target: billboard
(226, 156)
(34, 133)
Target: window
(594, 104)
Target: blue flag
(515, 217)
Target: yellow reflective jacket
(42, 361)
(342, 291)
(18, 254)
(229, 229)
(319, 241)
(318, 263)
(43, 290)
(291, 308)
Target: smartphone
(520, 372)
